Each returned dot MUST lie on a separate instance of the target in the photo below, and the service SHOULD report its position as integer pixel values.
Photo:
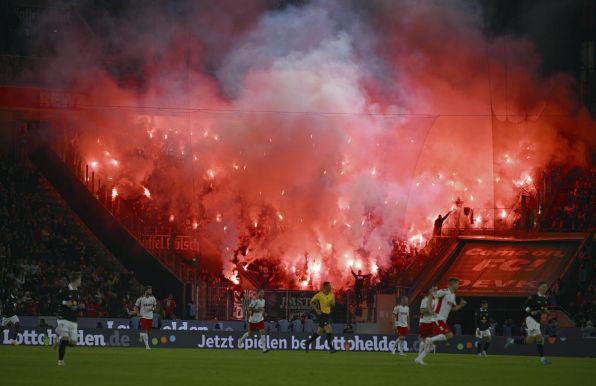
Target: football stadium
(287, 192)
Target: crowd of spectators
(575, 210)
(583, 305)
(37, 252)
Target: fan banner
(507, 268)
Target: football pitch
(129, 366)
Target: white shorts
(532, 327)
(11, 320)
(67, 329)
(483, 334)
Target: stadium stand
(41, 242)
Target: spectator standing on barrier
(283, 325)
(587, 330)
(192, 310)
(170, 307)
(272, 326)
(359, 279)
(438, 228)
(370, 304)
(297, 326)
(309, 324)
(551, 329)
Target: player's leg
(244, 336)
(402, 343)
(329, 333)
(73, 333)
(396, 342)
(313, 337)
(540, 347)
(487, 340)
(62, 332)
(16, 327)
(421, 345)
(146, 338)
(422, 351)
(426, 331)
(263, 340)
(146, 325)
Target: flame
(374, 267)
(417, 240)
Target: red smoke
(318, 134)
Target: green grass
(129, 366)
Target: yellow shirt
(325, 301)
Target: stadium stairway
(107, 230)
(441, 258)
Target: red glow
(303, 151)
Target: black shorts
(324, 320)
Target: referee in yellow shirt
(322, 303)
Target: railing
(125, 214)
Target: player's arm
(314, 303)
(530, 306)
(332, 301)
(462, 304)
(394, 316)
(62, 299)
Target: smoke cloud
(314, 134)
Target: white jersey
(445, 302)
(402, 314)
(146, 305)
(424, 306)
(258, 307)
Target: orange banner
(508, 268)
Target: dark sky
(557, 27)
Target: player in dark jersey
(69, 306)
(483, 334)
(534, 307)
(9, 309)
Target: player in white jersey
(427, 321)
(256, 321)
(401, 322)
(144, 307)
(445, 303)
